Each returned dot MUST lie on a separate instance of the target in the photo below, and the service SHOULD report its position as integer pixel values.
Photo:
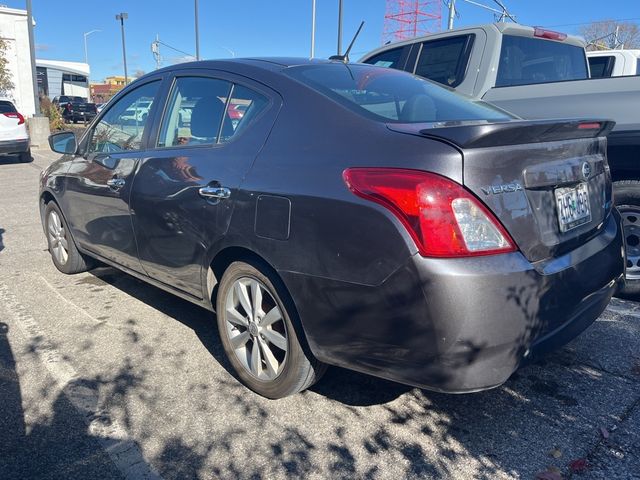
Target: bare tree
(139, 73)
(611, 34)
(6, 84)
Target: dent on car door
(100, 180)
(183, 197)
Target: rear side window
(390, 95)
(206, 111)
(7, 107)
(601, 66)
(445, 61)
(389, 59)
(526, 61)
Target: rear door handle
(214, 192)
(116, 183)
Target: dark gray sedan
(344, 214)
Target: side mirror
(63, 142)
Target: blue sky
(256, 28)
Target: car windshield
(7, 107)
(392, 96)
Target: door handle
(214, 192)
(116, 183)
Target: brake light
(15, 115)
(68, 107)
(589, 126)
(549, 34)
(442, 217)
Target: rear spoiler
(516, 132)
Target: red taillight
(68, 107)
(589, 126)
(442, 217)
(549, 34)
(15, 115)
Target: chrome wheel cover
(58, 243)
(631, 228)
(256, 328)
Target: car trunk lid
(547, 182)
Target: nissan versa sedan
(352, 215)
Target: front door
(100, 180)
(183, 196)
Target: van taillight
(549, 34)
(443, 218)
(15, 115)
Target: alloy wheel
(631, 229)
(256, 328)
(57, 238)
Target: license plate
(573, 206)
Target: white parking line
(109, 433)
(69, 302)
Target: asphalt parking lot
(102, 376)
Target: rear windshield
(77, 99)
(390, 95)
(7, 107)
(526, 60)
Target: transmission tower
(411, 18)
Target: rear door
(213, 127)
(97, 201)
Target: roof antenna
(345, 58)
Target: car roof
(264, 63)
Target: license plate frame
(572, 206)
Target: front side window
(388, 95)
(206, 111)
(389, 59)
(445, 60)
(527, 60)
(122, 126)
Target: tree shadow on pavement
(355, 426)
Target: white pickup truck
(614, 63)
(537, 73)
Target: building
(14, 32)
(102, 92)
(117, 80)
(57, 78)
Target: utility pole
(32, 54)
(452, 14)
(313, 28)
(339, 27)
(121, 17)
(197, 31)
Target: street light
(121, 17)
(86, 60)
(197, 32)
(313, 28)
(86, 54)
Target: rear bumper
(460, 325)
(14, 146)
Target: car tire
(265, 348)
(25, 157)
(627, 199)
(62, 247)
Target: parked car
(14, 138)
(537, 73)
(614, 63)
(138, 112)
(75, 109)
(337, 222)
